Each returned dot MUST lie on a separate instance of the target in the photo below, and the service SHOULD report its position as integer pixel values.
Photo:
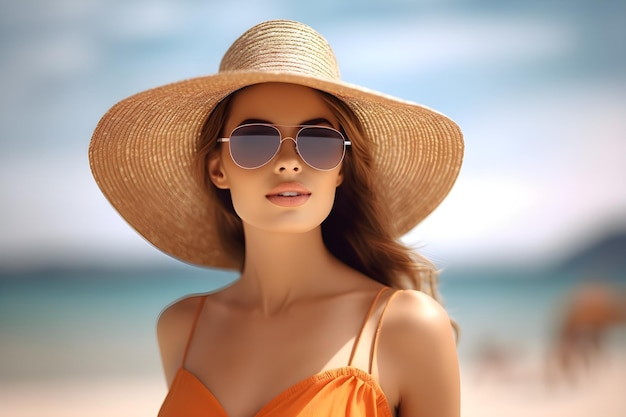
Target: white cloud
(551, 134)
(479, 216)
(145, 19)
(60, 54)
(53, 212)
(441, 42)
(540, 169)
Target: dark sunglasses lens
(252, 146)
(321, 147)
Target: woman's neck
(281, 268)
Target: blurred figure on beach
(592, 312)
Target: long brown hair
(358, 230)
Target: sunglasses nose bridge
(283, 139)
(292, 151)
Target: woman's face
(286, 195)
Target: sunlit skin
(296, 310)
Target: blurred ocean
(83, 324)
(58, 324)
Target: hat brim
(142, 150)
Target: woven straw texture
(141, 152)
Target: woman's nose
(287, 159)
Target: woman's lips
(290, 194)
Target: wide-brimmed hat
(142, 150)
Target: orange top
(346, 391)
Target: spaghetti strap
(193, 329)
(378, 327)
(367, 317)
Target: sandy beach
(523, 391)
(138, 396)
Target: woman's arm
(418, 342)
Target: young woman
(302, 182)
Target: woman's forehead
(279, 103)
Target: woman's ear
(340, 178)
(216, 171)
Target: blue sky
(538, 89)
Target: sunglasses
(254, 145)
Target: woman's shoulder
(181, 309)
(417, 343)
(415, 309)
(416, 319)
(178, 317)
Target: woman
(302, 182)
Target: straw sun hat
(141, 151)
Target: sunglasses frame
(346, 142)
